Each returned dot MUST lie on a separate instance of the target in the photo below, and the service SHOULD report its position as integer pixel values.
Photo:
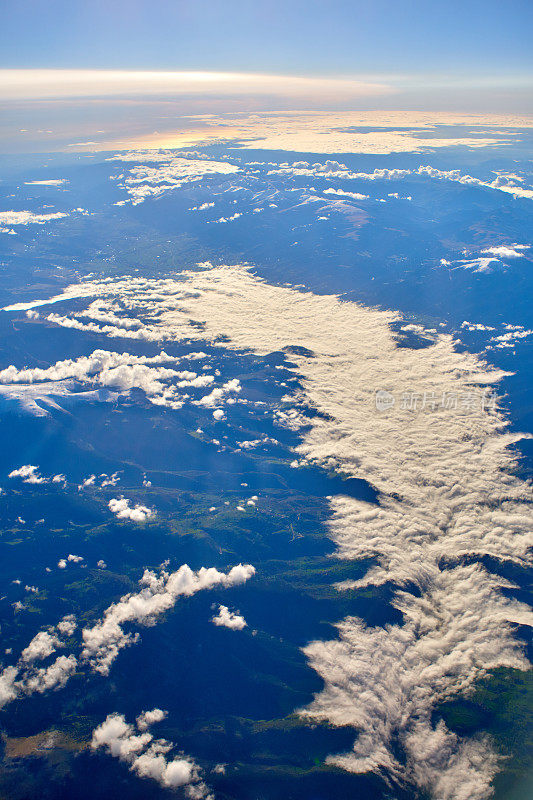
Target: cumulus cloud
(25, 677)
(54, 676)
(102, 368)
(334, 169)
(216, 396)
(341, 193)
(169, 172)
(513, 334)
(228, 619)
(202, 207)
(146, 756)
(8, 688)
(41, 646)
(102, 642)
(148, 718)
(62, 563)
(28, 473)
(232, 218)
(122, 509)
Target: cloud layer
(442, 461)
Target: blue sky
(339, 37)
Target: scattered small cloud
(229, 619)
(122, 509)
(148, 757)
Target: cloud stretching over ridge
(102, 642)
(334, 169)
(442, 461)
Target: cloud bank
(442, 462)
(39, 83)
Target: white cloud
(102, 642)
(490, 258)
(148, 718)
(170, 172)
(41, 646)
(8, 688)
(49, 182)
(25, 677)
(102, 368)
(218, 396)
(228, 619)
(507, 251)
(146, 756)
(67, 625)
(479, 264)
(447, 493)
(341, 193)
(202, 207)
(62, 563)
(123, 510)
(28, 473)
(229, 219)
(476, 326)
(53, 677)
(27, 217)
(334, 169)
(344, 132)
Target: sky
(311, 37)
(72, 68)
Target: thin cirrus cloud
(20, 84)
